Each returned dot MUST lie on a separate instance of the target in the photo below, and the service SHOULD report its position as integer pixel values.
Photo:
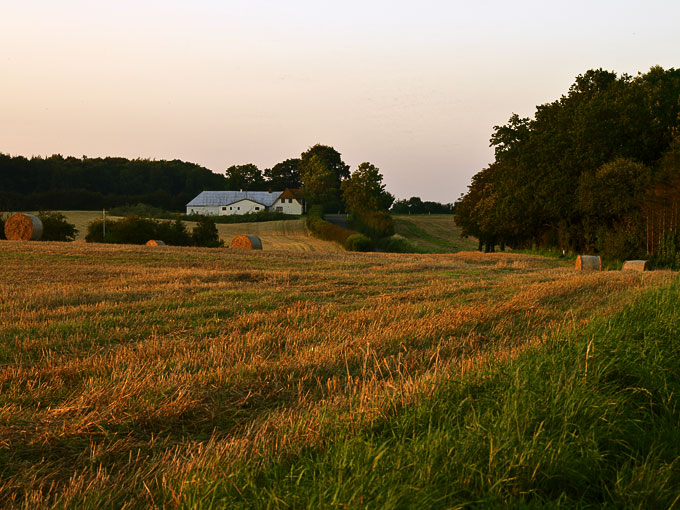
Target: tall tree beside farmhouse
(318, 181)
(574, 176)
(245, 177)
(366, 198)
(284, 175)
(331, 159)
(322, 165)
(364, 190)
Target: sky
(413, 87)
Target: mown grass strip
(590, 420)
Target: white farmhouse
(225, 203)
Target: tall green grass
(587, 421)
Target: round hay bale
(634, 265)
(588, 262)
(155, 242)
(247, 242)
(23, 227)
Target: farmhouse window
(257, 208)
(279, 208)
(224, 208)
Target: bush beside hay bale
(155, 242)
(247, 242)
(205, 233)
(134, 230)
(588, 262)
(23, 227)
(634, 265)
(56, 227)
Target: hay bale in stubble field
(155, 242)
(247, 242)
(23, 227)
(634, 265)
(588, 262)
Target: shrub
(244, 218)
(2, 226)
(131, 230)
(324, 230)
(397, 244)
(56, 228)
(375, 224)
(206, 234)
(134, 230)
(173, 233)
(358, 242)
(95, 231)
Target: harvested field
(137, 376)
(287, 235)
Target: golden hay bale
(23, 227)
(634, 265)
(588, 262)
(247, 242)
(155, 242)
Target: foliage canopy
(583, 173)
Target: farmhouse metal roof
(217, 198)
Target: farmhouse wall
(241, 207)
(287, 206)
(205, 210)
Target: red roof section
(292, 193)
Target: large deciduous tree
(576, 174)
(245, 177)
(321, 172)
(319, 182)
(284, 175)
(364, 190)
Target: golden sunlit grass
(132, 374)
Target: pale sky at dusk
(413, 87)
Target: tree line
(415, 205)
(597, 170)
(58, 182)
